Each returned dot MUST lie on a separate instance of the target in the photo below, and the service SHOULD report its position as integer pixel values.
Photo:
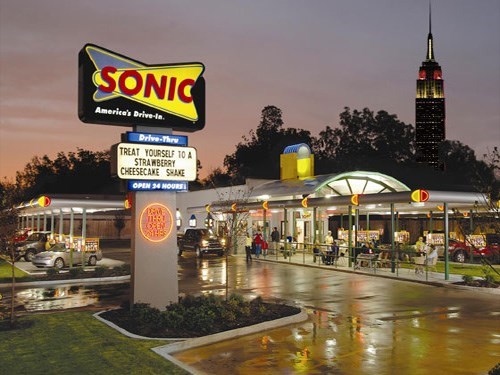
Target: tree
(8, 225)
(364, 141)
(119, 222)
(81, 172)
(258, 155)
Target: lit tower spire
(430, 49)
(430, 107)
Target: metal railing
(396, 263)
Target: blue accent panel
(295, 148)
(143, 185)
(160, 139)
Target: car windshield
(58, 247)
(210, 233)
(35, 236)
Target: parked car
(202, 241)
(59, 257)
(34, 244)
(492, 249)
(459, 251)
(21, 235)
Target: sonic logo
(167, 88)
(167, 95)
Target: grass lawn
(77, 343)
(6, 273)
(475, 270)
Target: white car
(59, 257)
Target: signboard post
(154, 248)
(154, 99)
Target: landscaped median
(76, 343)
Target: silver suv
(34, 244)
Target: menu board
(363, 235)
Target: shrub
(489, 279)
(52, 272)
(142, 313)
(468, 279)
(495, 370)
(76, 272)
(100, 271)
(122, 270)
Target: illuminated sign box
(117, 90)
(140, 185)
(135, 161)
(160, 139)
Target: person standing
(329, 247)
(420, 245)
(248, 247)
(275, 240)
(258, 244)
(329, 241)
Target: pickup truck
(202, 241)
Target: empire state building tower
(429, 108)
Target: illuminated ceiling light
(417, 204)
(265, 197)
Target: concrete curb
(95, 280)
(184, 344)
(227, 335)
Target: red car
(458, 251)
(21, 235)
(492, 249)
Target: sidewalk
(402, 274)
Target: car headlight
(204, 243)
(223, 241)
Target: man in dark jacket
(275, 239)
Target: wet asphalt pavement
(357, 324)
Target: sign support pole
(153, 264)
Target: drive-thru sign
(154, 100)
(152, 162)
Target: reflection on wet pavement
(357, 325)
(68, 297)
(337, 344)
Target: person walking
(248, 247)
(258, 244)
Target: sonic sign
(117, 90)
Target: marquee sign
(136, 161)
(117, 90)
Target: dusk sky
(309, 58)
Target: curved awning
(340, 184)
(62, 203)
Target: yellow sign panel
(166, 88)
